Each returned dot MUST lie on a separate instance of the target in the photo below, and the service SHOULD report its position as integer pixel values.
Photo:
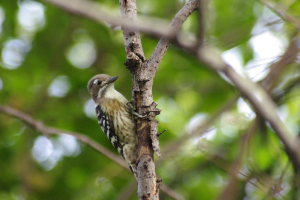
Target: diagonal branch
(258, 97)
(276, 68)
(93, 11)
(229, 190)
(282, 13)
(164, 43)
(48, 130)
(172, 146)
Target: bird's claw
(137, 115)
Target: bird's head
(98, 85)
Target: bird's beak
(112, 79)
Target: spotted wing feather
(108, 128)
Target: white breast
(111, 93)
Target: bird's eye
(98, 82)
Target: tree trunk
(148, 182)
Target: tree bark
(143, 73)
(148, 182)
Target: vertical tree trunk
(148, 183)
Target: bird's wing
(107, 127)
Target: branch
(282, 13)
(164, 43)
(48, 130)
(94, 12)
(276, 68)
(143, 73)
(132, 38)
(201, 26)
(258, 98)
(148, 182)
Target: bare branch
(258, 98)
(276, 68)
(143, 74)
(148, 184)
(132, 38)
(163, 44)
(128, 191)
(282, 13)
(94, 12)
(41, 128)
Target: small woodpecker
(115, 117)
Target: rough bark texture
(148, 188)
(132, 37)
(143, 73)
(147, 178)
(163, 44)
(143, 104)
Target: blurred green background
(48, 56)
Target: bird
(114, 115)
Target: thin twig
(127, 191)
(276, 68)
(170, 191)
(199, 129)
(201, 26)
(229, 190)
(282, 13)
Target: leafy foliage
(48, 55)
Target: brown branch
(142, 79)
(48, 130)
(143, 73)
(93, 11)
(258, 97)
(253, 92)
(132, 38)
(201, 24)
(163, 44)
(148, 184)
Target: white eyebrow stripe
(95, 81)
